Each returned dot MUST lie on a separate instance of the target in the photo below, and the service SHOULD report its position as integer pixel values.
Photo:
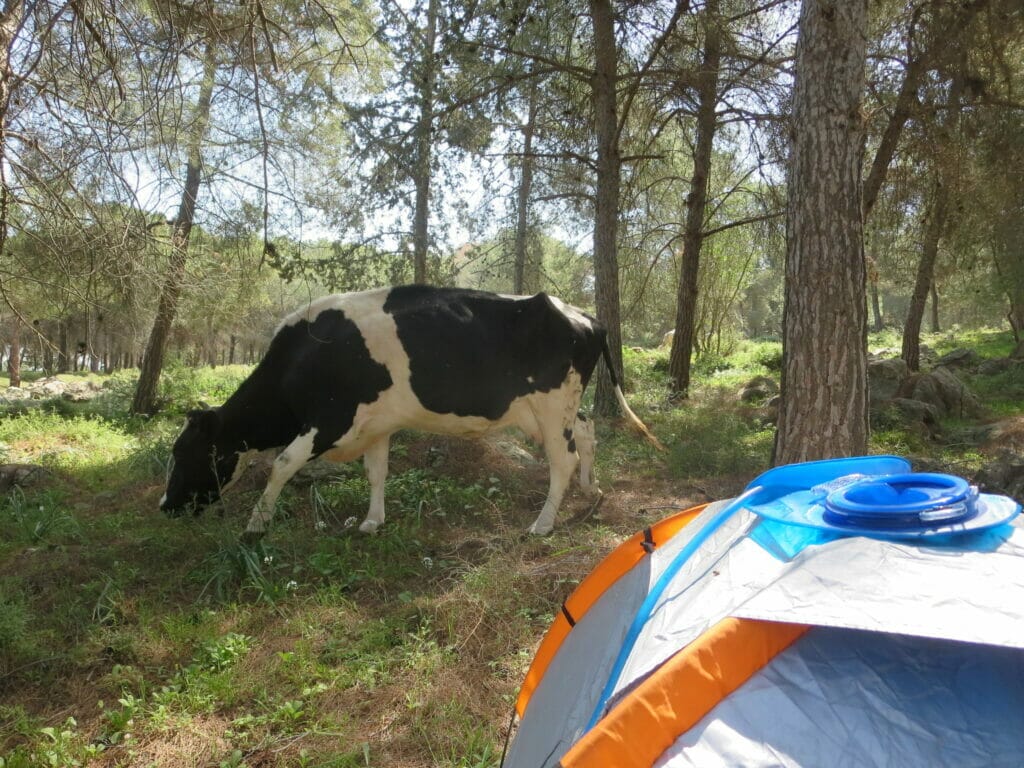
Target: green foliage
(183, 388)
(15, 628)
(709, 441)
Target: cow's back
(473, 353)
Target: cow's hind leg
(560, 446)
(586, 443)
(376, 462)
(290, 461)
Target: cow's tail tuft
(631, 418)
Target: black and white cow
(345, 372)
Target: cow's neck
(256, 417)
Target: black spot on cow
(329, 375)
(473, 353)
(570, 441)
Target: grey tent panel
(845, 698)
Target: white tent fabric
(964, 598)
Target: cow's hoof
(593, 491)
(540, 530)
(369, 526)
(251, 538)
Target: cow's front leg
(376, 462)
(560, 447)
(290, 461)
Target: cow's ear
(206, 420)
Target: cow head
(201, 464)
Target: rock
(80, 391)
(514, 451)
(759, 388)
(882, 353)
(322, 469)
(959, 358)
(769, 412)
(49, 387)
(21, 475)
(884, 378)
(943, 390)
(959, 400)
(666, 340)
(1005, 475)
(915, 413)
(996, 365)
(14, 394)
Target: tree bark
(424, 148)
(823, 412)
(14, 356)
(935, 307)
(520, 256)
(876, 308)
(144, 400)
(696, 205)
(606, 205)
(911, 352)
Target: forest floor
(130, 639)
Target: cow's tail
(631, 418)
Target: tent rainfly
(837, 613)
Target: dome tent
(841, 613)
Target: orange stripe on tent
(618, 562)
(675, 697)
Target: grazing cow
(345, 372)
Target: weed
(224, 652)
(37, 519)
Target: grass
(130, 639)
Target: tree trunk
(935, 225)
(696, 204)
(424, 147)
(823, 411)
(14, 356)
(11, 18)
(153, 360)
(906, 100)
(62, 344)
(911, 353)
(519, 285)
(606, 206)
(231, 350)
(876, 307)
(935, 307)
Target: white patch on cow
(343, 301)
(167, 481)
(586, 445)
(290, 461)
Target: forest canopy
(178, 175)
